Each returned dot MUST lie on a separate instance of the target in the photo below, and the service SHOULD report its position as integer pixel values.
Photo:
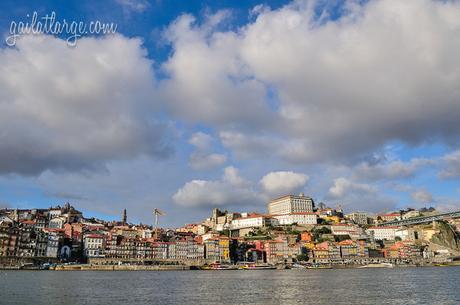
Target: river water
(434, 285)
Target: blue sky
(201, 104)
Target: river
(431, 285)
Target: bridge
(421, 219)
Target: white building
(290, 204)
(146, 233)
(254, 221)
(57, 222)
(410, 214)
(94, 245)
(382, 233)
(304, 218)
(358, 217)
(351, 230)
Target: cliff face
(446, 236)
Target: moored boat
(378, 265)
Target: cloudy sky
(201, 104)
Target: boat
(254, 266)
(378, 265)
(319, 267)
(298, 266)
(218, 266)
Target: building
(383, 233)
(359, 218)
(411, 214)
(300, 218)
(252, 221)
(347, 229)
(290, 204)
(57, 222)
(54, 242)
(277, 251)
(211, 247)
(94, 245)
(390, 216)
(404, 250)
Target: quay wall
(120, 268)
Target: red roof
(94, 236)
(390, 214)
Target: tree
(302, 257)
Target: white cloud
(422, 196)
(200, 161)
(359, 196)
(206, 75)
(201, 141)
(342, 88)
(232, 176)
(245, 145)
(230, 190)
(450, 165)
(137, 6)
(65, 108)
(283, 182)
(389, 170)
(202, 158)
(343, 186)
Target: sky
(192, 105)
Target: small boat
(298, 266)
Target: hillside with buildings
(293, 232)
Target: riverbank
(84, 267)
(90, 267)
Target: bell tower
(124, 219)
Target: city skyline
(190, 106)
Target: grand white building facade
(291, 204)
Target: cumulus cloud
(231, 189)
(389, 170)
(342, 88)
(245, 145)
(202, 158)
(283, 182)
(76, 108)
(204, 72)
(359, 196)
(343, 186)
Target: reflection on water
(354, 286)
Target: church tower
(124, 217)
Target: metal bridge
(421, 219)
